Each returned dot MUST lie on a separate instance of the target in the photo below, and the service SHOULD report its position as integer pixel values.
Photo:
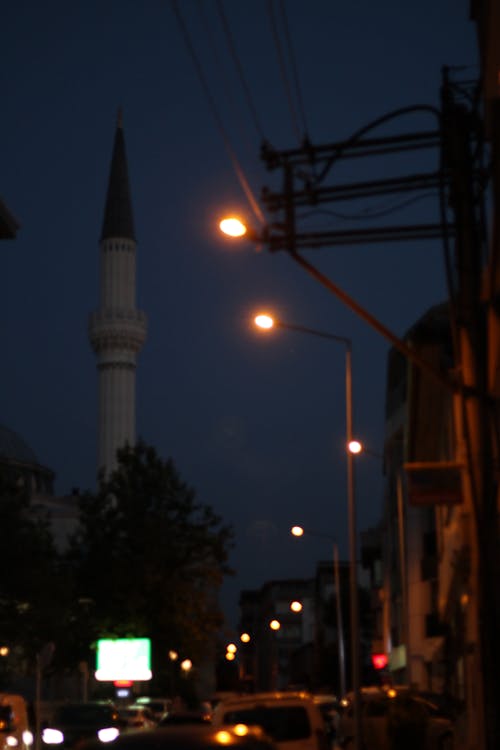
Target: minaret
(117, 330)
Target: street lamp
(271, 322)
(355, 447)
(299, 531)
(186, 665)
(233, 227)
(274, 625)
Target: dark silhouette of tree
(149, 559)
(32, 591)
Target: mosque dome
(14, 448)
(16, 454)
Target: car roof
(389, 692)
(252, 698)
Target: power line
(239, 69)
(281, 62)
(369, 214)
(244, 132)
(211, 101)
(291, 53)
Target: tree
(150, 558)
(32, 593)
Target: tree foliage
(32, 592)
(148, 558)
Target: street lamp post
(274, 626)
(267, 322)
(299, 531)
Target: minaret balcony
(117, 329)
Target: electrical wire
(369, 214)
(243, 132)
(239, 69)
(232, 155)
(374, 124)
(292, 56)
(281, 62)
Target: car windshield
(85, 714)
(282, 723)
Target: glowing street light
(231, 647)
(355, 447)
(173, 655)
(264, 321)
(245, 638)
(296, 606)
(186, 665)
(233, 227)
(275, 625)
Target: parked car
(14, 729)
(191, 738)
(137, 716)
(396, 717)
(74, 722)
(291, 719)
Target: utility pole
(461, 132)
(460, 178)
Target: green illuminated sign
(123, 659)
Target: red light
(380, 661)
(123, 683)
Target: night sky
(254, 423)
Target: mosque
(117, 331)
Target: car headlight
(109, 734)
(11, 741)
(28, 737)
(52, 736)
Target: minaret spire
(118, 219)
(117, 330)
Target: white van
(14, 728)
(292, 720)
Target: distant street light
(186, 665)
(245, 638)
(351, 500)
(275, 625)
(355, 447)
(296, 606)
